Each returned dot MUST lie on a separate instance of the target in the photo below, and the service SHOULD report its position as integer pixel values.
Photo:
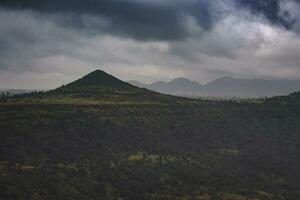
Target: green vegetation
(136, 144)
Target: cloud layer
(57, 41)
(141, 19)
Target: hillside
(99, 79)
(160, 147)
(95, 83)
(97, 87)
(293, 98)
(224, 87)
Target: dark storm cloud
(153, 39)
(148, 19)
(143, 19)
(270, 9)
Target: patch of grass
(225, 151)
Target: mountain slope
(292, 99)
(99, 79)
(100, 87)
(98, 84)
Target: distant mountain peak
(98, 78)
(184, 83)
(181, 79)
(178, 86)
(226, 78)
(97, 71)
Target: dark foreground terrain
(109, 140)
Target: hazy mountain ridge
(225, 86)
(178, 86)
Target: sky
(47, 43)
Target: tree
(4, 97)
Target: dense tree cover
(200, 150)
(91, 142)
(4, 97)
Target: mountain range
(224, 87)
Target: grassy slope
(148, 147)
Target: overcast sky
(46, 43)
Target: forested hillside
(148, 146)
